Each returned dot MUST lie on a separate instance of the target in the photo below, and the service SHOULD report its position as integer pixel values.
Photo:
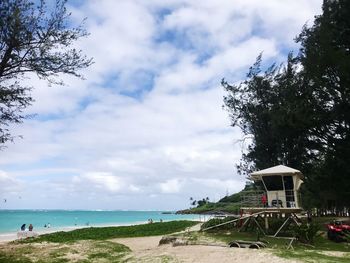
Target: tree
(297, 114)
(33, 39)
(325, 56)
(202, 202)
(271, 107)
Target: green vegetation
(314, 256)
(89, 248)
(217, 221)
(312, 244)
(212, 208)
(85, 245)
(103, 233)
(235, 198)
(274, 225)
(83, 251)
(297, 113)
(34, 39)
(10, 258)
(306, 233)
(112, 252)
(229, 204)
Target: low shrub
(103, 233)
(217, 221)
(306, 233)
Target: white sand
(6, 237)
(146, 249)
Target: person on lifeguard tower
(264, 200)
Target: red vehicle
(338, 231)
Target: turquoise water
(11, 220)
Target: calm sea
(11, 220)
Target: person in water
(23, 227)
(30, 227)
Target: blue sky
(146, 129)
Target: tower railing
(252, 198)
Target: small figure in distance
(45, 225)
(30, 227)
(48, 225)
(161, 220)
(23, 227)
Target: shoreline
(11, 220)
(12, 236)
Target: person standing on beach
(23, 227)
(30, 227)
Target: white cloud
(229, 185)
(9, 185)
(104, 181)
(91, 141)
(171, 186)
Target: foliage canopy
(297, 114)
(37, 39)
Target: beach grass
(97, 244)
(318, 256)
(81, 251)
(321, 251)
(85, 245)
(103, 233)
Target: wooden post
(266, 222)
(285, 222)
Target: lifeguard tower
(281, 185)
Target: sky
(145, 129)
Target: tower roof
(276, 170)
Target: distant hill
(228, 204)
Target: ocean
(11, 220)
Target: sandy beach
(146, 249)
(7, 237)
(11, 236)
